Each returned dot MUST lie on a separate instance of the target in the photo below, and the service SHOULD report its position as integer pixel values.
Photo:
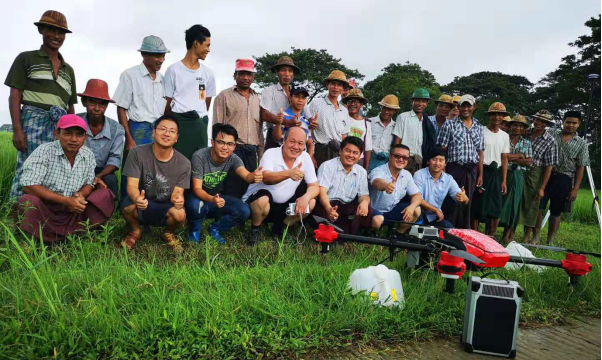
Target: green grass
(8, 157)
(87, 299)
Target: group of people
(325, 157)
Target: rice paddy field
(280, 299)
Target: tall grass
(8, 158)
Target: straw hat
(336, 75)
(456, 98)
(355, 94)
(285, 61)
(497, 108)
(506, 118)
(445, 99)
(54, 19)
(544, 115)
(519, 119)
(390, 101)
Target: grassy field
(87, 299)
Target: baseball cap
(298, 90)
(467, 98)
(71, 120)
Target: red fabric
(57, 221)
(483, 247)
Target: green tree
(488, 87)
(315, 66)
(401, 81)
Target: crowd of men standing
(325, 157)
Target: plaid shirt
(523, 146)
(48, 166)
(463, 144)
(382, 137)
(572, 153)
(545, 150)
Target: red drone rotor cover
(483, 247)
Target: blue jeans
(443, 223)
(234, 212)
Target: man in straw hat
(537, 175)
(239, 106)
(519, 158)
(139, 96)
(58, 180)
(455, 111)
(505, 124)
(104, 136)
(42, 89)
(487, 202)
(463, 139)
(189, 86)
(359, 126)
(333, 123)
(563, 187)
(444, 106)
(382, 131)
(276, 99)
(409, 129)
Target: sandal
(172, 242)
(129, 240)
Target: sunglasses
(404, 158)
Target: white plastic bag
(380, 283)
(515, 249)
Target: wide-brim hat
(506, 118)
(97, 89)
(445, 99)
(337, 75)
(54, 19)
(355, 94)
(544, 115)
(285, 61)
(497, 108)
(519, 119)
(390, 101)
(153, 44)
(456, 98)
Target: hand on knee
(177, 215)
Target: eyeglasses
(171, 132)
(354, 101)
(403, 158)
(222, 143)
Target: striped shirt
(382, 137)
(332, 123)
(572, 153)
(341, 185)
(523, 146)
(32, 72)
(231, 107)
(463, 144)
(49, 167)
(409, 129)
(545, 150)
(273, 98)
(140, 95)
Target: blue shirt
(384, 202)
(107, 145)
(290, 114)
(434, 192)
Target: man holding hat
(520, 156)
(42, 89)
(463, 139)
(382, 131)
(139, 96)
(333, 123)
(487, 201)
(409, 128)
(455, 111)
(537, 175)
(434, 186)
(359, 126)
(104, 136)
(189, 87)
(239, 106)
(58, 180)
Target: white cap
(467, 98)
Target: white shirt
(189, 88)
(382, 136)
(272, 160)
(332, 123)
(496, 144)
(380, 200)
(341, 185)
(140, 95)
(409, 129)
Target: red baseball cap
(245, 65)
(71, 120)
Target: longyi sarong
(56, 221)
(192, 134)
(529, 206)
(488, 204)
(38, 126)
(466, 176)
(511, 202)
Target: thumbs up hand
(178, 201)
(391, 187)
(295, 173)
(461, 196)
(280, 117)
(217, 200)
(141, 202)
(258, 175)
(313, 122)
(332, 213)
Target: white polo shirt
(273, 161)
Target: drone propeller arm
(384, 242)
(535, 261)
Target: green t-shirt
(33, 74)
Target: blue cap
(153, 44)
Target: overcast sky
(448, 38)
